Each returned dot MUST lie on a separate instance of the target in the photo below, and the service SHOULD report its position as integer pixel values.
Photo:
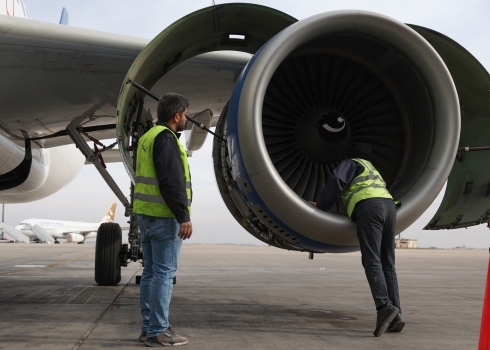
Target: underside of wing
(52, 74)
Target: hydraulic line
(155, 97)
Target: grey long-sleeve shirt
(170, 173)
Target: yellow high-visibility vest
(368, 184)
(147, 197)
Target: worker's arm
(341, 176)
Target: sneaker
(397, 324)
(166, 338)
(384, 318)
(142, 337)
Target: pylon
(485, 319)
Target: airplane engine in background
(384, 82)
(30, 172)
(74, 238)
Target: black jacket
(170, 173)
(341, 176)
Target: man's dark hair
(171, 104)
(360, 150)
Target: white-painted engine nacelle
(29, 172)
(74, 237)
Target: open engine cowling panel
(466, 201)
(236, 27)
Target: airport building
(404, 243)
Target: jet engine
(380, 80)
(30, 172)
(74, 237)
(377, 80)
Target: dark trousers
(376, 220)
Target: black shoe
(142, 337)
(384, 318)
(397, 324)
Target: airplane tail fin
(109, 215)
(65, 18)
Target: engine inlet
(316, 106)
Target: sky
(88, 197)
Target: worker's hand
(185, 231)
(313, 203)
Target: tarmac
(240, 297)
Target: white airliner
(72, 231)
(405, 89)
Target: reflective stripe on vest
(154, 181)
(147, 197)
(153, 198)
(368, 184)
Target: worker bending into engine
(371, 206)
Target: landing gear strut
(110, 253)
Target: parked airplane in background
(72, 231)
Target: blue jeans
(376, 221)
(161, 248)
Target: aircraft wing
(53, 73)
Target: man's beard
(181, 125)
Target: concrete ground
(240, 297)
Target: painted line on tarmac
(47, 266)
(110, 307)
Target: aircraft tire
(107, 247)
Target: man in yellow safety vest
(371, 206)
(162, 200)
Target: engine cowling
(31, 172)
(74, 237)
(387, 83)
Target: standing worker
(371, 206)
(162, 200)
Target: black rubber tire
(107, 247)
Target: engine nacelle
(30, 173)
(74, 237)
(382, 78)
